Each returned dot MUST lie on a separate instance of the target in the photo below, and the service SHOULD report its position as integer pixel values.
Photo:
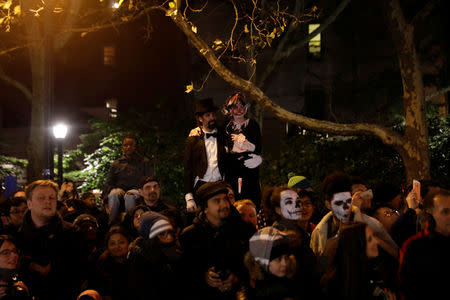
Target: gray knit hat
(267, 244)
(152, 224)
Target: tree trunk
(42, 90)
(415, 152)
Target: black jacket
(155, 269)
(424, 265)
(59, 245)
(125, 173)
(205, 246)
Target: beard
(211, 125)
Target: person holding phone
(413, 220)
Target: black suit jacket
(196, 162)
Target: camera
(16, 292)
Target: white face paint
(341, 205)
(290, 205)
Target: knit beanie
(268, 244)
(299, 182)
(152, 224)
(209, 190)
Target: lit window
(109, 55)
(314, 43)
(111, 105)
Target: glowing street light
(60, 132)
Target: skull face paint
(290, 205)
(341, 205)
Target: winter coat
(59, 245)
(424, 265)
(155, 269)
(205, 246)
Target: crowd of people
(233, 240)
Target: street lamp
(59, 132)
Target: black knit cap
(146, 179)
(209, 190)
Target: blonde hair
(30, 188)
(242, 202)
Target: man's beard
(211, 125)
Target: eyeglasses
(7, 252)
(392, 212)
(306, 204)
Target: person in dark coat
(155, 260)
(355, 270)
(243, 140)
(214, 246)
(54, 254)
(112, 267)
(425, 257)
(123, 178)
(271, 266)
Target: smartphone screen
(416, 188)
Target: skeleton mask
(290, 205)
(341, 205)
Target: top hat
(204, 105)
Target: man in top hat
(204, 156)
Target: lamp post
(59, 132)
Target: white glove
(190, 203)
(253, 162)
(195, 132)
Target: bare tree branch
(281, 53)
(20, 86)
(437, 93)
(388, 136)
(116, 23)
(424, 12)
(73, 10)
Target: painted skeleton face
(290, 205)
(341, 204)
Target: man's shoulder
(194, 139)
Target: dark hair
(232, 100)
(271, 200)
(358, 180)
(8, 238)
(336, 182)
(133, 137)
(17, 201)
(86, 195)
(138, 207)
(305, 193)
(348, 266)
(146, 179)
(117, 229)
